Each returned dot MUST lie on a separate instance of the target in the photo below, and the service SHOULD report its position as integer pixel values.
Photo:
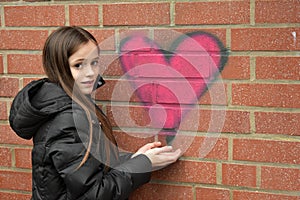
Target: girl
(74, 153)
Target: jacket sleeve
(124, 156)
(90, 181)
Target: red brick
(15, 180)
(119, 90)
(154, 191)
(5, 157)
(136, 14)
(237, 68)
(266, 151)
(212, 194)
(239, 175)
(278, 68)
(215, 95)
(111, 65)
(123, 90)
(280, 11)
(266, 95)
(276, 178)
(105, 38)
(34, 15)
(22, 39)
(226, 121)
(207, 147)
(128, 116)
(8, 136)
(28, 80)
(156, 92)
(212, 13)
(3, 111)
(14, 196)
(9, 87)
(277, 123)
(87, 15)
(31, 64)
(105, 92)
(208, 120)
(188, 171)
(131, 141)
(1, 64)
(131, 32)
(23, 158)
(244, 195)
(263, 39)
(166, 37)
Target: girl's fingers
(162, 149)
(149, 146)
(163, 156)
(156, 144)
(153, 145)
(177, 152)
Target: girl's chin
(87, 90)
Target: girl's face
(84, 64)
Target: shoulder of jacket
(66, 124)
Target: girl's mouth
(88, 82)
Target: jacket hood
(36, 103)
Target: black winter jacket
(59, 128)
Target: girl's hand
(146, 147)
(162, 156)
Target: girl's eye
(78, 65)
(94, 63)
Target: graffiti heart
(169, 82)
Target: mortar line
(258, 176)
(13, 157)
(252, 12)
(13, 191)
(172, 13)
(219, 173)
(8, 107)
(252, 68)
(2, 16)
(230, 149)
(228, 39)
(5, 67)
(229, 96)
(117, 37)
(21, 83)
(67, 15)
(231, 194)
(194, 192)
(100, 15)
(15, 169)
(252, 122)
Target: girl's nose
(89, 70)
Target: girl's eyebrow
(83, 59)
(96, 57)
(77, 60)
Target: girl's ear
(99, 82)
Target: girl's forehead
(85, 51)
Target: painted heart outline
(168, 82)
(170, 93)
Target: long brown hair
(59, 46)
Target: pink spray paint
(170, 82)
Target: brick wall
(257, 154)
